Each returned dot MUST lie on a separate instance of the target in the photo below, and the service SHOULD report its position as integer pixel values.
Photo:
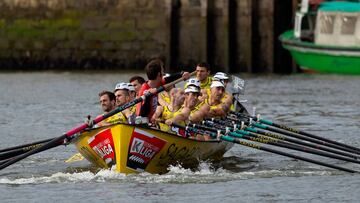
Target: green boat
(326, 37)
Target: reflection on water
(36, 106)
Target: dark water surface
(36, 106)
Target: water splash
(177, 175)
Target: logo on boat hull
(143, 147)
(102, 143)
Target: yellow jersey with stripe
(223, 99)
(167, 114)
(117, 118)
(206, 84)
(212, 106)
(133, 109)
(165, 97)
(197, 107)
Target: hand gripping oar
(260, 147)
(284, 138)
(284, 127)
(68, 135)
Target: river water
(36, 106)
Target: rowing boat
(136, 148)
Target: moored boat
(134, 148)
(326, 39)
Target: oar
(284, 127)
(25, 146)
(18, 150)
(280, 137)
(279, 143)
(260, 147)
(68, 135)
(291, 134)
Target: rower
(132, 92)
(132, 96)
(192, 111)
(203, 75)
(107, 102)
(228, 98)
(122, 97)
(164, 113)
(154, 71)
(164, 96)
(218, 108)
(137, 82)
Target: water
(36, 106)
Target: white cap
(192, 89)
(216, 83)
(122, 86)
(192, 82)
(221, 76)
(131, 87)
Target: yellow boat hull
(135, 149)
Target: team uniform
(206, 84)
(117, 118)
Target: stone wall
(51, 34)
(231, 35)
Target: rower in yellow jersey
(192, 111)
(203, 75)
(122, 97)
(227, 99)
(163, 113)
(217, 107)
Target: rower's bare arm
(203, 95)
(200, 114)
(183, 116)
(157, 114)
(217, 112)
(227, 103)
(162, 102)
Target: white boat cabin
(337, 23)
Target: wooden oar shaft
(26, 146)
(308, 144)
(298, 136)
(294, 130)
(259, 147)
(295, 135)
(287, 139)
(263, 139)
(53, 143)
